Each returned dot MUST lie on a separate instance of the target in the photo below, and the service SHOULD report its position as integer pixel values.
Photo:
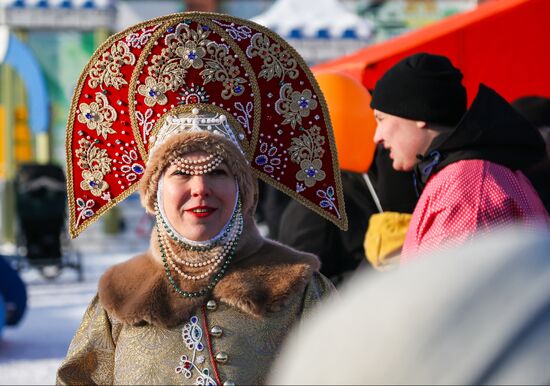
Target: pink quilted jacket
(469, 197)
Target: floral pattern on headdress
(295, 105)
(106, 71)
(98, 115)
(218, 63)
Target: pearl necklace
(215, 259)
(227, 253)
(216, 278)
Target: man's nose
(378, 135)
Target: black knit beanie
(422, 87)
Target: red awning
(502, 43)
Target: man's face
(404, 138)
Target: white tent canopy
(321, 19)
(57, 3)
(58, 14)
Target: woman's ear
(421, 124)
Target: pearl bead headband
(199, 166)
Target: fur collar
(261, 279)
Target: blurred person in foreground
(467, 163)
(536, 109)
(477, 314)
(211, 301)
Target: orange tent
(502, 43)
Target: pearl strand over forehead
(198, 166)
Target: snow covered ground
(31, 352)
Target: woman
(211, 300)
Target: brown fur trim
(264, 283)
(260, 280)
(187, 142)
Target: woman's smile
(201, 211)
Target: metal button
(216, 331)
(221, 357)
(211, 305)
(229, 383)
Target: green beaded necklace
(196, 248)
(217, 277)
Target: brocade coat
(137, 330)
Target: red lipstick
(201, 211)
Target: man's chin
(401, 167)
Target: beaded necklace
(227, 252)
(172, 257)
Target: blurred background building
(44, 44)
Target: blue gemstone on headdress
(170, 30)
(93, 184)
(137, 168)
(238, 89)
(192, 56)
(200, 346)
(89, 115)
(311, 172)
(261, 160)
(304, 103)
(152, 93)
(194, 319)
(205, 28)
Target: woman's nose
(199, 186)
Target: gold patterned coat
(139, 331)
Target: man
(466, 162)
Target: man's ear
(421, 124)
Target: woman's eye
(178, 172)
(218, 172)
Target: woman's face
(198, 206)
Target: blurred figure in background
(537, 111)
(426, 324)
(340, 251)
(271, 205)
(365, 194)
(467, 164)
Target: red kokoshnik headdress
(218, 63)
